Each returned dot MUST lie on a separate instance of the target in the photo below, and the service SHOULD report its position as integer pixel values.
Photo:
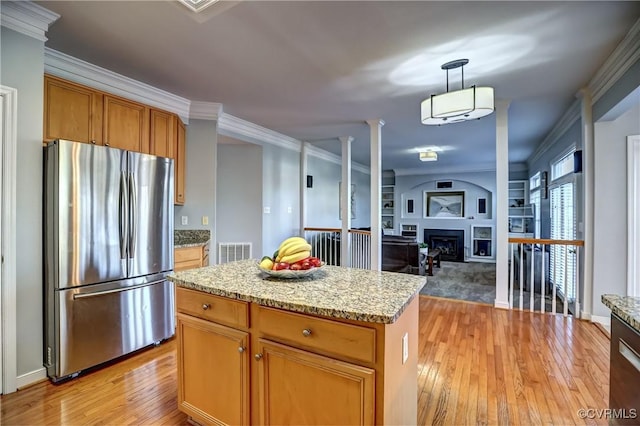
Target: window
(535, 181)
(563, 227)
(563, 166)
(534, 199)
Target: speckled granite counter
(190, 237)
(334, 291)
(627, 308)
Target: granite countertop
(626, 307)
(334, 291)
(190, 237)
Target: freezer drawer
(102, 322)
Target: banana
(292, 249)
(296, 257)
(290, 240)
(266, 263)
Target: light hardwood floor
(477, 365)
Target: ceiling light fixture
(428, 156)
(459, 105)
(197, 5)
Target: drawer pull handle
(631, 355)
(258, 357)
(306, 332)
(206, 306)
(241, 349)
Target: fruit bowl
(289, 274)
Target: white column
(502, 209)
(588, 182)
(376, 184)
(345, 202)
(303, 187)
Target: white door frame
(8, 145)
(633, 215)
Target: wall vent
(443, 184)
(229, 252)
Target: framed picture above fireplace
(444, 204)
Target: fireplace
(449, 241)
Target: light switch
(184, 220)
(289, 209)
(267, 210)
(205, 220)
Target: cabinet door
(126, 124)
(71, 112)
(180, 163)
(163, 133)
(299, 387)
(213, 372)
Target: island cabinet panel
(300, 387)
(180, 162)
(190, 257)
(322, 335)
(213, 372)
(71, 112)
(162, 135)
(126, 124)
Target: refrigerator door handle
(133, 215)
(115, 290)
(123, 226)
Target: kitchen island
(624, 399)
(339, 347)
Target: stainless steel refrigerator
(108, 222)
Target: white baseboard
(501, 305)
(31, 378)
(605, 321)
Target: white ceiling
(317, 70)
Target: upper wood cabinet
(126, 124)
(163, 133)
(71, 112)
(180, 163)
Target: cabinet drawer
(185, 254)
(346, 340)
(212, 308)
(188, 264)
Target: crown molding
(446, 169)
(27, 18)
(569, 118)
(76, 70)
(333, 158)
(247, 131)
(205, 110)
(619, 62)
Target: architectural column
(588, 182)
(345, 202)
(376, 184)
(502, 209)
(303, 187)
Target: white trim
(333, 158)
(205, 110)
(27, 18)
(625, 55)
(633, 215)
(606, 321)
(573, 114)
(32, 377)
(247, 131)
(500, 305)
(9, 97)
(76, 70)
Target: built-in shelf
(482, 243)
(387, 206)
(520, 211)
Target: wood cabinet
(71, 112)
(213, 359)
(244, 363)
(126, 124)
(190, 257)
(163, 133)
(180, 163)
(79, 113)
(624, 376)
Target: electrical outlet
(205, 220)
(289, 209)
(184, 220)
(267, 210)
(405, 347)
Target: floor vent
(229, 252)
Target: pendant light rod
(458, 63)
